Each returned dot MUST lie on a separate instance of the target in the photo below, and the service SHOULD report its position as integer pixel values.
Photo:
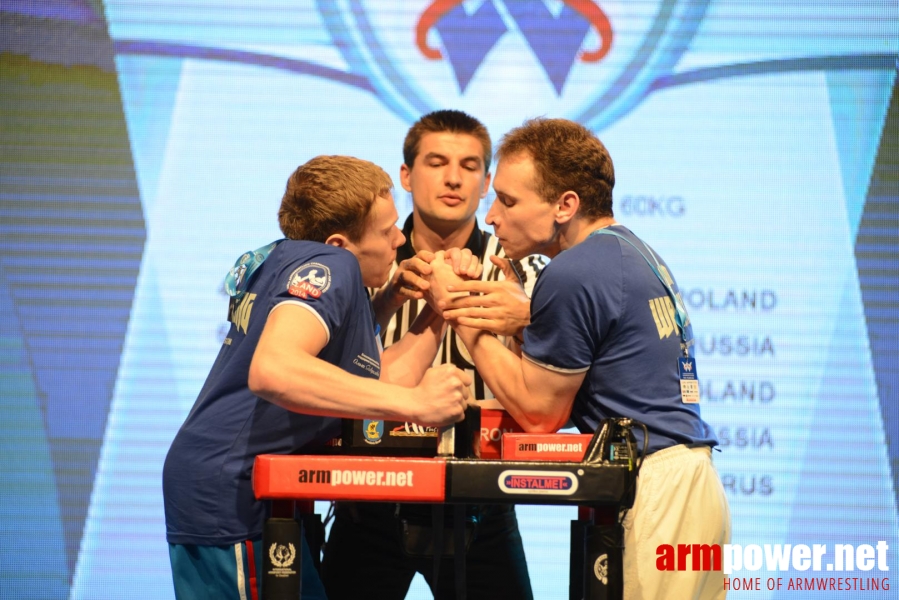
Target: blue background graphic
(145, 145)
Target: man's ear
(486, 186)
(567, 206)
(338, 240)
(405, 176)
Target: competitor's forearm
(309, 385)
(406, 361)
(503, 372)
(385, 305)
(512, 343)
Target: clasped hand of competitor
(442, 396)
(443, 391)
(410, 280)
(450, 283)
(500, 307)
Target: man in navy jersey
(608, 337)
(302, 351)
(446, 169)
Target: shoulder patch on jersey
(309, 281)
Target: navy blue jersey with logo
(599, 308)
(207, 475)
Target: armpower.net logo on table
(337, 477)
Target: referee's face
(447, 179)
(522, 220)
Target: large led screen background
(145, 145)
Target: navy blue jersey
(207, 475)
(599, 308)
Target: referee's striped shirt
(452, 350)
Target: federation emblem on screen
(309, 281)
(588, 60)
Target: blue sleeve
(574, 305)
(326, 283)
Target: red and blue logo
(588, 61)
(555, 39)
(585, 60)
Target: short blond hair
(331, 194)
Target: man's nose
(491, 214)
(453, 176)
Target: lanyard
(238, 278)
(681, 318)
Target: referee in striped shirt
(446, 156)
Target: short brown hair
(331, 194)
(451, 121)
(567, 156)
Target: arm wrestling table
(535, 469)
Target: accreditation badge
(689, 382)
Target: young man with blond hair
(302, 351)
